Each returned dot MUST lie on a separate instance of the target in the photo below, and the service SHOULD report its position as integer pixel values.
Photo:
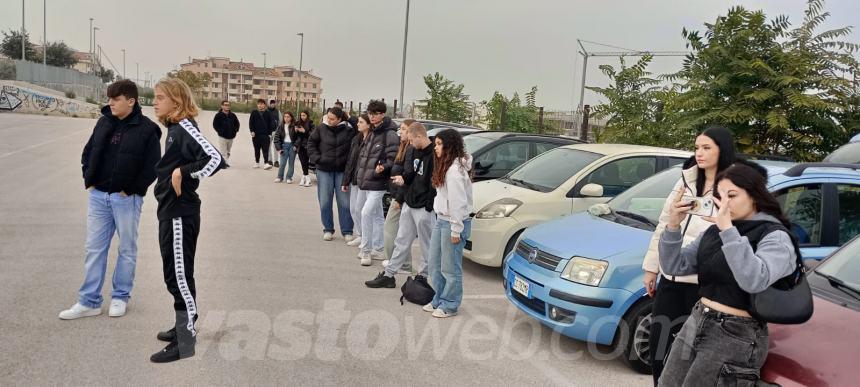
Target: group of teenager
(429, 182)
(121, 159)
(702, 270)
(277, 138)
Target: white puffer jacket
(691, 227)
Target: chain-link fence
(68, 81)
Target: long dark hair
(453, 150)
(752, 178)
(366, 119)
(725, 142)
(292, 118)
(304, 123)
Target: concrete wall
(17, 98)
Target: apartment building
(243, 81)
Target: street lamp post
(123, 64)
(264, 60)
(403, 65)
(96, 59)
(137, 74)
(92, 59)
(45, 41)
(23, 33)
(301, 53)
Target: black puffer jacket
(400, 169)
(139, 151)
(301, 139)
(328, 147)
(380, 148)
(352, 163)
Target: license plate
(521, 287)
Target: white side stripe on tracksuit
(179, 271)
(210, 150)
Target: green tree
(194, 81)
(445, 100)
(11, 45)
(781, 91)
(517, 117)
(106, 75)
(59, 54)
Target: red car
(825, 350)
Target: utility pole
(123, 64)
(137, 75)
(92, 59)
(96, 58)
(403, 63)
(45, 41)
(301, 53)
(23, 33)
(264, 60)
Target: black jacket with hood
(400, 169)
(301, 139)
(134, 169)
(259, 123)
(226, 124)
(328, 147)
(185, 148)
(380, 148)
(418, 191)
(352, 162)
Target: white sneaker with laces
(117, 308)
(349, 238)
(327, 236)
(289, 181)
(267, 166)
(278, 180)
(440, 313)
(354, 242)
(428, 308)
(362, 255)
(77, 311)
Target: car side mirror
(592, 190)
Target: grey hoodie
(755, 271)
(453, 202)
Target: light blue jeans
(288, 157)
(372, 221)
(446, 265)
(328, 189)
(108, 214)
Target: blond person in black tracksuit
(188, 158)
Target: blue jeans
(446, 265)
(289, 156)
(372, 222)
(108, 214)
(328, 189)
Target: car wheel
(508, 248)
(634, 336)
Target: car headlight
(502, 208)
(585, 271)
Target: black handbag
(417, 291)
(788, 301)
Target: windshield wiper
(525, 184)
(841, 285)
(635, 216)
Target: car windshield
(844, 265)
(548, 171)
(646, 199)
(475, 142)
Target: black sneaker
(381, 281)
(168, 335)
(170, 353)
(277, 164)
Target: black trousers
(178, 240)
(261, 143)
(304, 160)
(673, 303)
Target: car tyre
(634, 335)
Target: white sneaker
(428, 308)
(355, 242)
(327, 236)
(385, 263)
(77, 311)
(267, 166)
(349, 238)
(255, 165)
(289, 181)
(117, 308)
(363, 255)
(366, 261)
(278, 180)
(377, 255)
(440, 313)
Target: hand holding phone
(699, 206)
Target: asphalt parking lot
(278, 305)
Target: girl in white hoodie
(453, 207)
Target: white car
(560, 182)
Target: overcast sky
(356, 45)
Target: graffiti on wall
(14, 98)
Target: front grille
(531, 303)
(543, 259)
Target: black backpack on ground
(417, 291)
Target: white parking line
(43, 143)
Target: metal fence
(84, 86)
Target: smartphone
(699, 206)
